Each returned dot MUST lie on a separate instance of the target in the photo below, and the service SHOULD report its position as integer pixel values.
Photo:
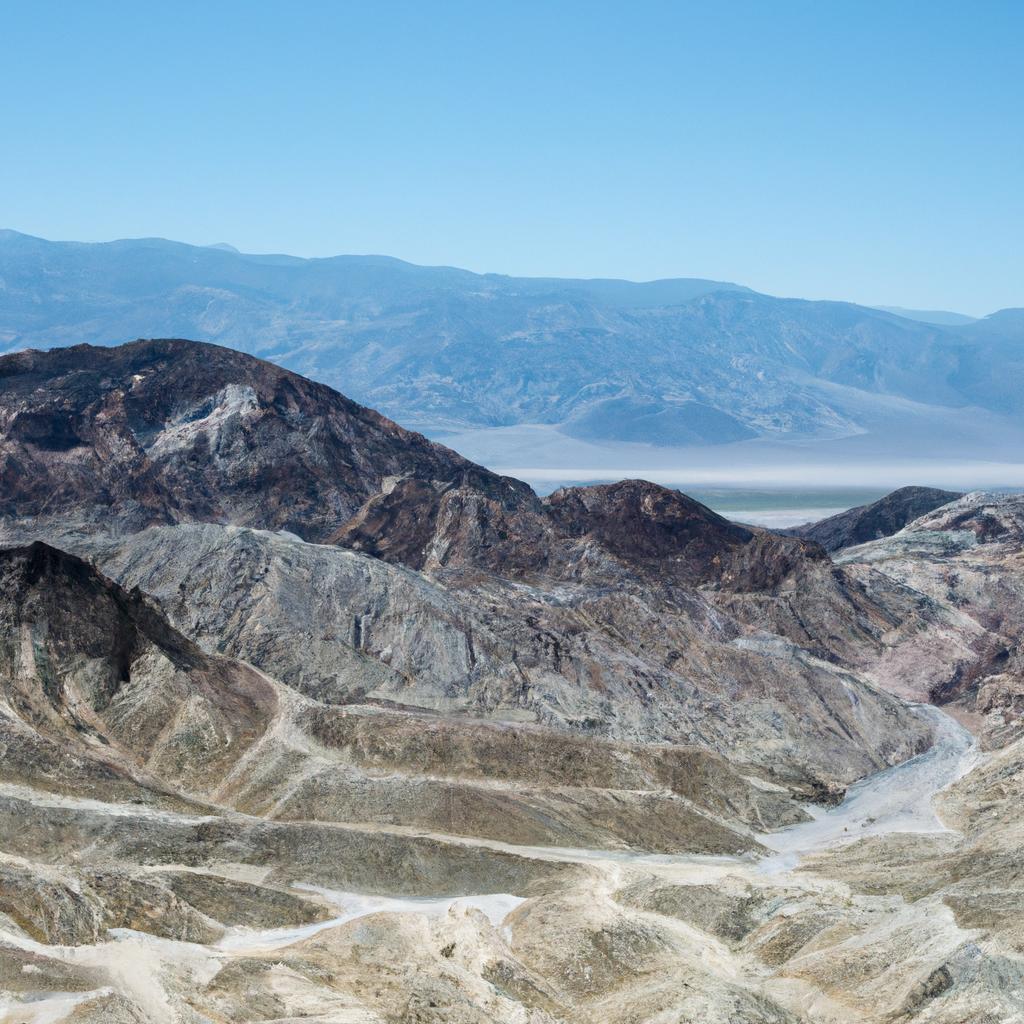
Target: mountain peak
(878, 519)
(169, 430)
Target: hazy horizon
(815, 151)
(896, 309)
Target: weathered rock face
(644, 522)
(674, 538)
(172, 431)
(100, 690)
(965, 560)
(960, 894)
(881, 518)
(626, 662)
(607, 533)
(91, 672)
(583, 612)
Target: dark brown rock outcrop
(671, 535)
(161, 432)
(619, 610)
(881, 518)
(177, 431)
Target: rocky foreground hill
(307, 717)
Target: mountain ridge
(875, 520)
(681, 362)
(141, 419)
(170, 434)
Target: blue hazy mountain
(673, 362)
(930, 316)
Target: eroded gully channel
(897, 799)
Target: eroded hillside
(306, 717)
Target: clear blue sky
(871, 151)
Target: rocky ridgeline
(253, 635)
(602, 610)
(881, 518)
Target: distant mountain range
(931, 316)
(667, 363)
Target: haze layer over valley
(306, 717)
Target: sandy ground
(898, 799)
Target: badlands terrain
(307, 718)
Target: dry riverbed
(624, 936)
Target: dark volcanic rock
(615, 533)
(670, 534)
(176, 431)
(641, 521)
(161, 432)
(881, 518)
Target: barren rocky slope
(473, 756)
(880, 518)
(596, 610)
(966, 557)
(624, 663)
(165, 431)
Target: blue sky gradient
(869, 151)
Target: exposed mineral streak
(169, 431)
